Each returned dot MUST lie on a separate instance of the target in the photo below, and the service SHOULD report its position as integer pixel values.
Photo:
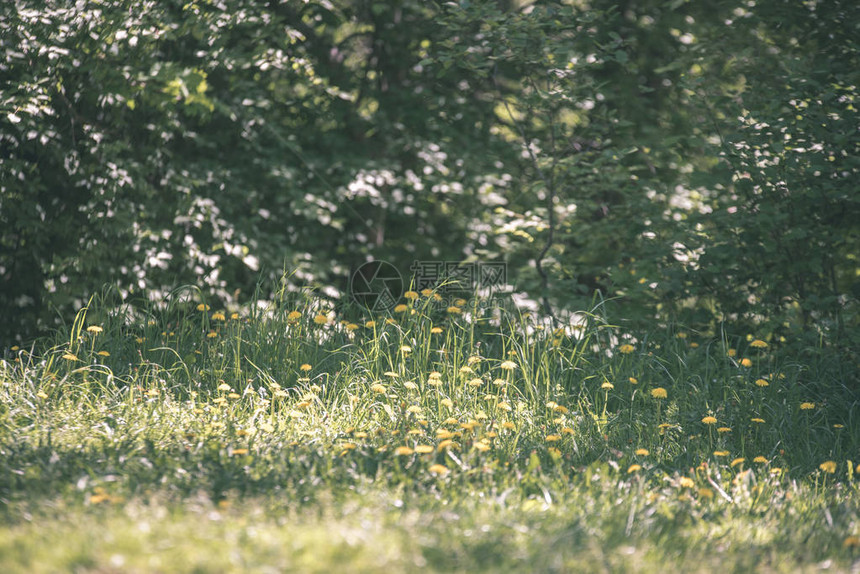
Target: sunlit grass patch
(279, 403)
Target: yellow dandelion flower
(234, 316)
(851, 542)
(234, 396)
(508, 365)
(838, 426)
(761, 383)
(694, 345)
(405, 349)
(301, 405)
(731, 353)
(391, 374)
(659, 393)
(202, 307)
(445, 444)
(642, 452)
(553, 438)
(633, 380)
(681, 335)
(103, 354)
(746, 362)
(293, 316)
(305, 367)
(566, 430)
(481, 446)
(414, 409)
(351, 327)
(721, 453)
(424, 449)
(634, 468)
(240, 451)
(626, 349)
(99, 497)
(410, 385)
(466, 370)
(152, 393)
(828, 466)
(807, 406)
(760, 460)
(560, 409)
(401, 308)
(476, 382)
(411, 295)
(709, 420)
(757, 420)
(454, 310)
(505, 406)
(706, 493)
(724, 430)
(460, 302)
(446, 402)
(435, 330)
(403, 451)
(427, 292)
(686, 482)
(211, 334)
(95, 329)
(42, 395)
(607, 386)
(321, 319)
(440, 469)
(737, 461)
(377, 388)
(218, 316)
(758, 344)
(70, 357)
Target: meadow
(442, 436)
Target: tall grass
(300, 398)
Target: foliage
(593, 147)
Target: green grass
(187, 440)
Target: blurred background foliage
(697, 161)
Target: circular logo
(376, 285)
